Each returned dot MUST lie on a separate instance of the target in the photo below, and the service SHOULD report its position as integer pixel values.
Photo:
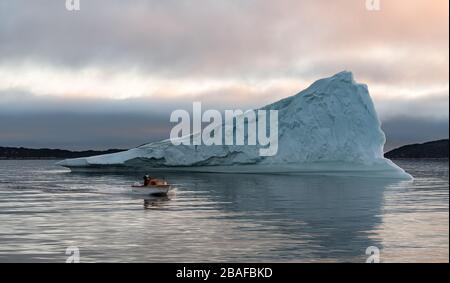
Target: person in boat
(147, 180)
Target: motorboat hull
(151, 190)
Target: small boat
(151, 189)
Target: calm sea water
(218, 217)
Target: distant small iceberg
(329, 128)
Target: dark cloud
(405, 130)
(103, 124)
(81, 131)
(434, 105)
(103, 131)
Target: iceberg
(330, 128)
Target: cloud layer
(147, 58)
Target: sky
(109, 75)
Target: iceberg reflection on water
(223, 217)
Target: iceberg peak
(344, 75)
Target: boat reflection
(156, 202)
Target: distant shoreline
(21, 153)
(59, 159)
(26, 158)
(429, 150)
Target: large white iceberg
(329, 128)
